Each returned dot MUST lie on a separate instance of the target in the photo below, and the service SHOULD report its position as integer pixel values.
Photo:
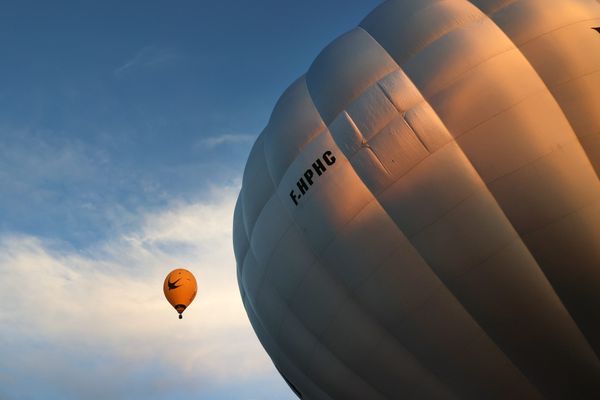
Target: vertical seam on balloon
(414, 359)
(500, 349)
(249, 304)
(555, 293)
(350, 156)
(273, 190)
(268, 266)
(412, 128)
(278, 184)
(294, 223)
(482, 330)
(244, 183)
(403, 113)
(273, 184)
(318, 340)
(468, 70)
(351, 291)
(318, 258)
(240, 265)
(427, 369)
(364, 143)
(376, 194)
(519, 45)
(267, 201)
(281, 354)
(547, 88)
(351, 298)
(311, 136)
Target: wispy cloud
(94, 323)
(27, 156)
(225, 138)
(148, 56)
(61, 186)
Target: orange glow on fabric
(180, 289)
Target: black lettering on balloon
(319, 167)
(302, 186)
(328, 158)
(294, 198)
(308, 178)
(308, 175)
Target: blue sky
(124, 129)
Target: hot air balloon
(420, 218)
(180, 289)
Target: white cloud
(30, 158)
(148, 56)
(225, 138)
(95, 324)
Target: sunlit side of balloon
(451, 249)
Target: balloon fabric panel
(450, 251)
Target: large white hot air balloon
(420, 219)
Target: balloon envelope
(180, 289)
(420, 218)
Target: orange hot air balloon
(180, 289)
